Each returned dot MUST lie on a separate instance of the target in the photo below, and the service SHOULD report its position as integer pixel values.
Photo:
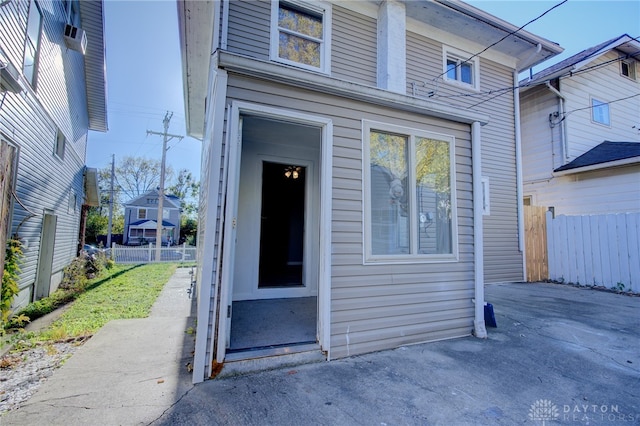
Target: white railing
(601, 250)
(147, 254)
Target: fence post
(113, 252)
(184, 250)
(149, 251)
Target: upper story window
(61, 145)
(300, 34)
(142, 213)
(410, 200)
(628, 69)
(32, 43)
(600, 112)
(165, 213)
(71, 8)
(458, 69)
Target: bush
(10, 287)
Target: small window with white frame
(142, 213)
(410, 198)
(300, 34)
(600, 112)
(628, 69)
(60, 145)
(73, 202)
(459, 69)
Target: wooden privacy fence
(147, 254)
(601, 250)
(535, 238)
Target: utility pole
(166, 137)
(110, 227)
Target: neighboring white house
(581, 131)
(52, 91)
(141, 219)
(358, 170)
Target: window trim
(413, 257)
(36, 57)
(60, 145)
(460, 56)
(140, 209)
(321, 8)
(593, 110)
(631, 66)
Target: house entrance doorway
(274, 286)
(282, 225)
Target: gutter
(519, 183)
(479, 328)
(563, 125)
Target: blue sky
(144, 77)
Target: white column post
(392, 53)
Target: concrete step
(247, 362)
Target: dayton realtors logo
(543, 410)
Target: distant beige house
(581, 131)
(359, 175)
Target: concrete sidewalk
(560, 354)
(128, 373)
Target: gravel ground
(22, 373)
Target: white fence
(601, 250)
(147, 254)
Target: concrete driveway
(559, 355)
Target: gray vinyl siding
(31, 121)
(502, 257)
(353, 46)
(380, 306)
(353, 39)
(249, 30)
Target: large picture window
(300, 35)
(410, 206)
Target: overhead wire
(502, 39)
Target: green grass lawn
(125, 291)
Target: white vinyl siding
(605, 84)
(595, 192)
(32, 121)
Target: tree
(134, 176)
(188, 230)
(186, 188)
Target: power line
(503, 38)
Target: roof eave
(599, 166)
(92, 22)
(548, 48)
(195, 25)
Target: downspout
(563, 132)
(519, 183)
(478, 244)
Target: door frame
(234, 138)
(310, 257)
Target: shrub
(10, 277)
